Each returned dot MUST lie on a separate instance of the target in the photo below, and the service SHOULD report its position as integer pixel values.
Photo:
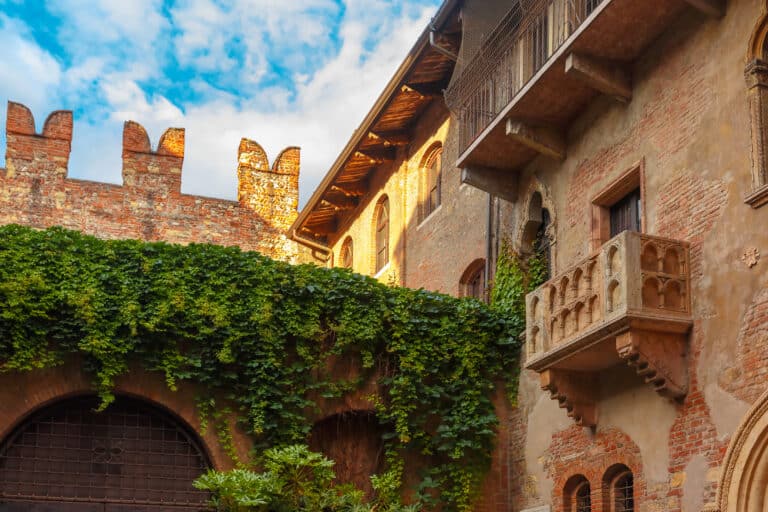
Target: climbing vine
(255, 334)
(515, 277)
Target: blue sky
(281, 72)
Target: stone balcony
(629, 302)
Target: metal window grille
(129, 454)
(624, 494)
(520, 45)
(583, 499)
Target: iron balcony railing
(525, 39)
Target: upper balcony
(543, 63)
(628, 302)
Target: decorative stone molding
(658, 358)
(742, 483)
(756, 75)
(575, 392)
(750, 257)
(629, 302)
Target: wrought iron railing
(525, 39)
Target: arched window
(346, 255)
(381, 226)
(577, 495)
(472, 282)
(618, 489)
(756, 74)
(583, 498)
(132, 453)
(431, 182)
(537, 232)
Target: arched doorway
(353, 440)
(744, 482)
(68, 457)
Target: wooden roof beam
(714, 8)
(340, 202)
(542, 140)
(377, 156)
(412, 89)
(324, 227)
(390, 138)
(427, 89)
(602, 76)
(356, 189)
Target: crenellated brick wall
(35, 190)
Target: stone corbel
(576, 392)
(659, 358)
(756, 75)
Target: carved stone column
(756, 74)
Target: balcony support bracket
(659, 358)
(575, 392)
(542, 140)
(714, 8)
(602, 76)
(494, 181)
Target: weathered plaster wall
(688, 124)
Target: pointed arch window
(619, 489)
(472, 283)
(346, 255)
(432, 178)
(577, 495)
(381, 227)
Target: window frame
(629, 181)
(468, 279)
(381, 232)
(431, 179)
(346, 254)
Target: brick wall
(35, 190)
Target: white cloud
(30, 74)
(319, 114)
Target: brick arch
(574, 451)
(24, 393)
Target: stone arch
(537, 208)
(745, 469)
(24, 393)
(756, 75)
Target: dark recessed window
(625, 214)
(624, 493)
(472, 283)
(583, 498)
(382, 233)
(345, 255)
(433, 178)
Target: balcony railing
(630, 302)
(634, 278)
(518, 47)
